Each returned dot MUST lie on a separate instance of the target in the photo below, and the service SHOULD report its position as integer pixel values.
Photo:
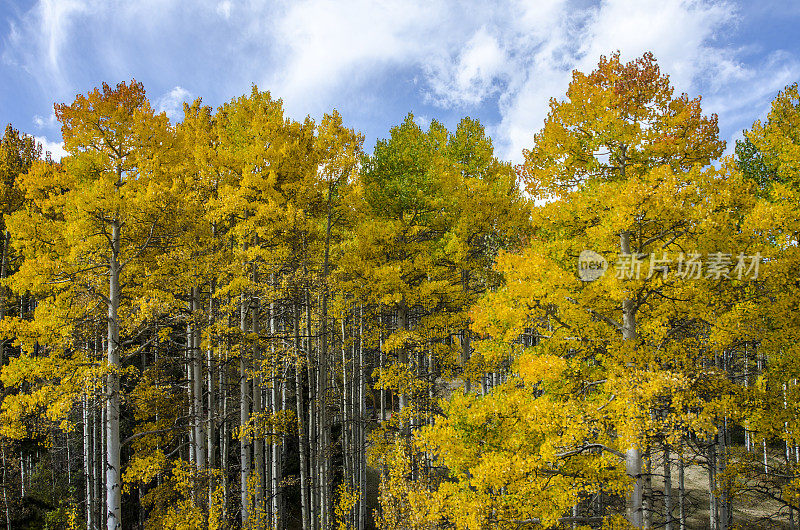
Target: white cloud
(56, 149)
(55, 18)
(326, 45)
(509, 56)
(423, 121)
(45, 123)
(172, 103)
(224, 9)
(471, 77)
(679, 33)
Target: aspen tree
(620, 168)
(111, 195)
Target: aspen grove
(239, 320)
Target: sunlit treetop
(620, 119)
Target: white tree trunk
(362, 457)
(244, 416)
(633, 456)
(88, 464)
(197, 386)
(5, 488)
(402, 323)
(681, 491)
(276, 445)
(667, 488)
(113, 463)
(258, 408)
(301, 430)
(211, 404)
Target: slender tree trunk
(22, 477)
(760, 368)
(712, 486)
(747, 441)
(88, 464)
(223, 428)
(315, 475)
(402, 323)
(211, 404)
(681, 489)
(190, 401)
(362, 457)
(3, 274)
(98, 443)
(346, 408)
(648, 489)
(667, 487)
(5, 487)
(275, 501)
(723, 498)
(244, 416)
(282, 447)
(323, 361)
(381, 363)
(633, 456)
(788, 451)
(301, 431)
(258, 407)
(196, 364)
(465, 337)
(113, 462)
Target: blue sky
(375, 61)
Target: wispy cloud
(51, 23)
(172, 103)
(56, 149)
(327, 46)
(475, 74)
(224, 9)
(45, 123)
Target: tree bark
(713, 518)
(211, 404)
(224, 394)
(196, 364)
(667, 488)
(244, 416)
(633, 456)
(381, 364)
(113, 462)
(5, 488)
(275, 501)
(402, 323)
(465, 337)
(88, 464)
(346, 405)
(3, 274)
(362, 457)
(681, 491)
(323, 369)
(301, 431)
(258, 408)
(314, 387)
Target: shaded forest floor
(749, 510)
